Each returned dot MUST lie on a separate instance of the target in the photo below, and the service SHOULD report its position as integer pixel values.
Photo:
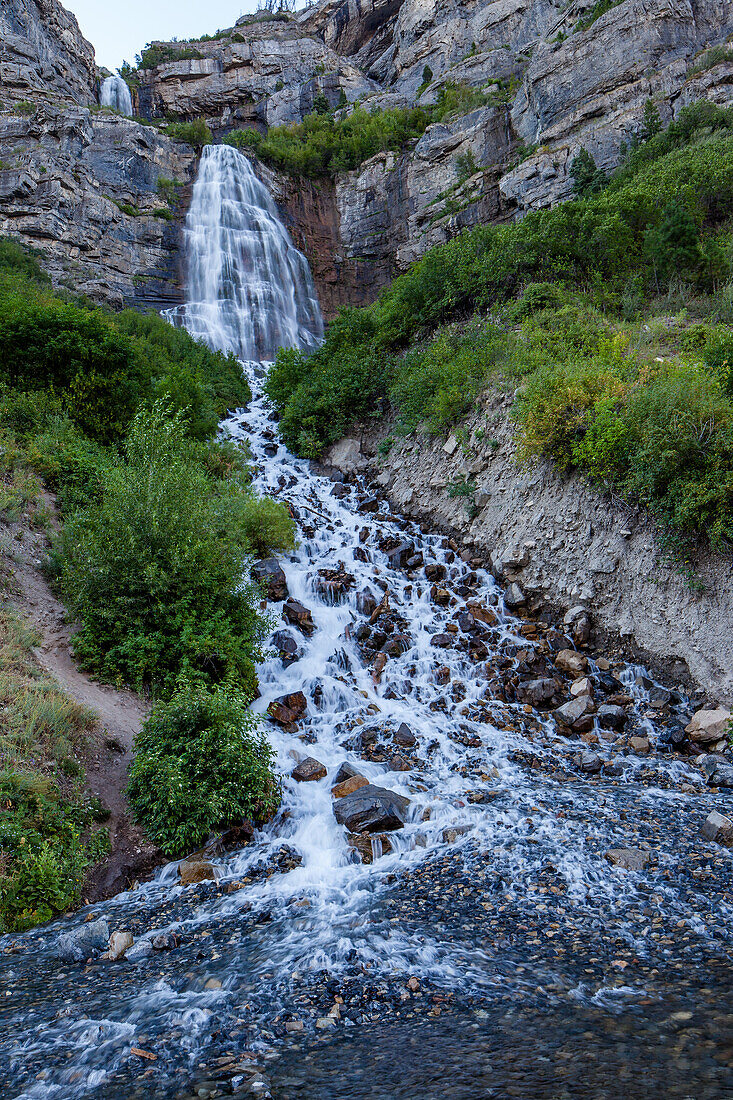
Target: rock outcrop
(551, 76)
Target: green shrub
(154, 573)
(710, 58)
(47, 844)
(161, 53)
(202, 762)
(599, 8)
(21, 260)
(195, 133)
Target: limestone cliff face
(79, 184)
(43, 53)
(555, 81)
(84, 185)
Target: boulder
(83, 943)
(719, 828)
(309, 771)
(372, 810)
(270, 575)
(404, 736)
(140, 950)
(195, 870)
(346, 456)
(288, 710)
(368, 505)
(538, 693)
(708, 726)
(119, 945)
(514, 597)
(630, 859)
(346, 771)
(577, 714)
(441, 641)
(584, 686)
(355, 783)
(287, 647)
(370, 846)
(611, 717)
(299, 616)
(590, 763)
(569, 660)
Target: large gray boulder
(83, 943)
(371, 810)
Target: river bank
(558, 537)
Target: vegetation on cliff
(611, 311)
(326, 143)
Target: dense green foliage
(101, 366)
(195, 133)
(201, 763)
(324, 144)
(154, 570)
(47, 843)
(660, 226)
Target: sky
(119, 31)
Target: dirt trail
(120, 713)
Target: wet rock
(590, 763)
(721, 775)
(514, 596)
(119, 944)
(611, 717)
(348, 786)
(270, 575)
(288, 710)
(404, 736)
(441, 641)
(630, 859)
(164, 941)
(577, 714)
(370, 846)
(537, 693)
(398, 763)
(366, 602)
(309, 771)
(399, 557)
(368, 506)
(143, 949)
(287, 647)
(299, 616)
(372, 810)
(193, 871)
(83, 943)
(718, 828)
(451, 835)
(435, 571)
(346, 771)
(334, 584)
(581, 687)
(569, 660)
(639, 744)
(708, 726)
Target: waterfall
(115, 93)
(248, 289)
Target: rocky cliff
(552, 77)
(84, 186)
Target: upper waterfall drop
(249, 290)
(115, 93)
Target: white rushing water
(251, 291)
(115, 93)
(248, 290)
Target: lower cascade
(520, 895)
(115, 93)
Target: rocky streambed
(501, 866)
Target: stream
(492, 947)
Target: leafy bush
(155, 572)
(162, 53)
(195, 133)
(202, 763)
(99, 367)
(46, 845)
